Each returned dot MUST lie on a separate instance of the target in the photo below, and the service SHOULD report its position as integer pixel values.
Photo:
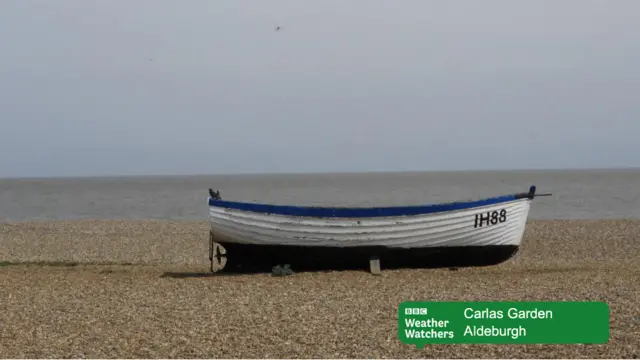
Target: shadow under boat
(259, 258)
(256, 259)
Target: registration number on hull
(490, 218)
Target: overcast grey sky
(208, 86)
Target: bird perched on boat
(215, 194)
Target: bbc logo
(415, 311)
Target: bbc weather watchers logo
(415, 311)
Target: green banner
(508, 322)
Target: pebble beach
(123, 289)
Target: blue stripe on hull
(344, 212)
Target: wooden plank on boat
(374, 266)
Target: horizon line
(155, 175)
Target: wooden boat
(468, 233)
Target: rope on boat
(215, 194)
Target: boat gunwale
(364, 212)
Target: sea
(575, 194)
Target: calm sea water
(576, 194)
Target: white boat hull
(448, 229)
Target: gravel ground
(141, 291)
